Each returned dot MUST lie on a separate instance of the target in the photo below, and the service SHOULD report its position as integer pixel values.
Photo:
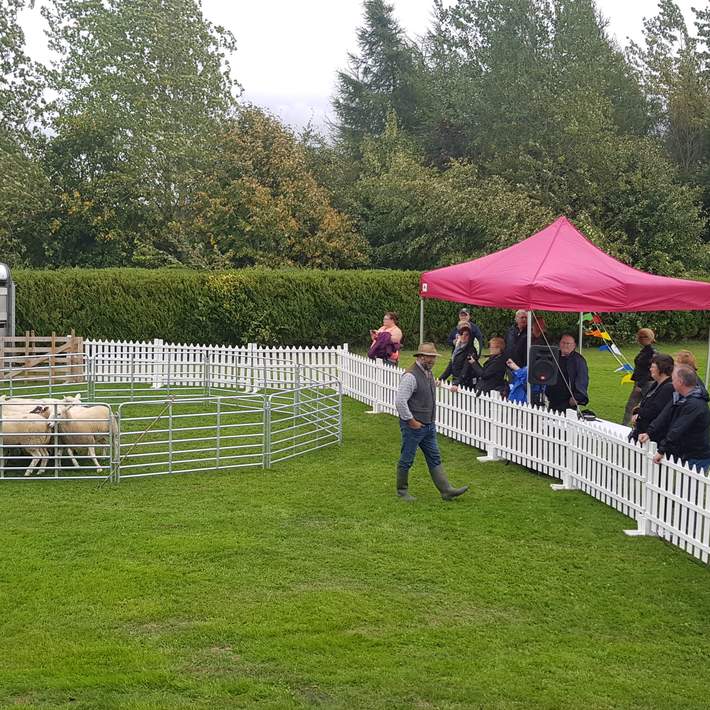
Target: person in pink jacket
(386, 340)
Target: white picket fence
(668, 499)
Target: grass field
(311, 585)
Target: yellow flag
(626, 379)
(605, 335)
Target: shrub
(289, 306)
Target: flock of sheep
(31, 425)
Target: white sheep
(31, 432)
(86, 427)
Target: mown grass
(311, 585)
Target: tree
(143, 88)
(384, 76)
(419, 217)
(670, 65)
(259, 204)
(24, 191)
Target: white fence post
(492, 446)
(158, 363)
(644, 520)
(343, 370)
(569, 483)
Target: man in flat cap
(416, 406)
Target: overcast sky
(288, 51)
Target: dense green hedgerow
(291, 306)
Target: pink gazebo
(559, 269)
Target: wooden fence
(39, 358)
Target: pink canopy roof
(559, 269)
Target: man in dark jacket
(516, 340)
(572, 380)
(683, 427)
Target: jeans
(425, 439)
(700, 464)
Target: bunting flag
(594, 328)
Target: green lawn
(311, 585)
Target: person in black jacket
(683, 428)
(641, 375)
(516, 339)
(459, 367)
(572, 383)
(656, 396)
(476, 333)
(491, 376)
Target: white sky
(288, 51)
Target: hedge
(291, 306)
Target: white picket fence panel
(668, 500)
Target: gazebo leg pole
(529, 386)
(707, 365)
(421, 319)
(581, 331)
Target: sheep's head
(42, 410)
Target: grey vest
(422, 403)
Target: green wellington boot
(403, 485)
(442, 483)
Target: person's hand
(414, 424)
(643, 438)
(512, 364)
(572, 402)
(454, 388)
(658, 457)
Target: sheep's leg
(43, 464)
(92, 453)
(36, 454)
(70, 454)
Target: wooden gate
(54, 358)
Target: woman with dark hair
(656, 397)
(386, 340)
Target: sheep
(31, 432)
(85, 427)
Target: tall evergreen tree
(384, 76)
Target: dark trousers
(634, 399)
(425, 439)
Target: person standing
(386, 340)
(572, 383)
(516, 339)
(682, 429)
(491, 376)
(642, 374)
(655, 397)
(476, 332)
(416, 406)
(460, 367)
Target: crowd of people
(667, 405)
